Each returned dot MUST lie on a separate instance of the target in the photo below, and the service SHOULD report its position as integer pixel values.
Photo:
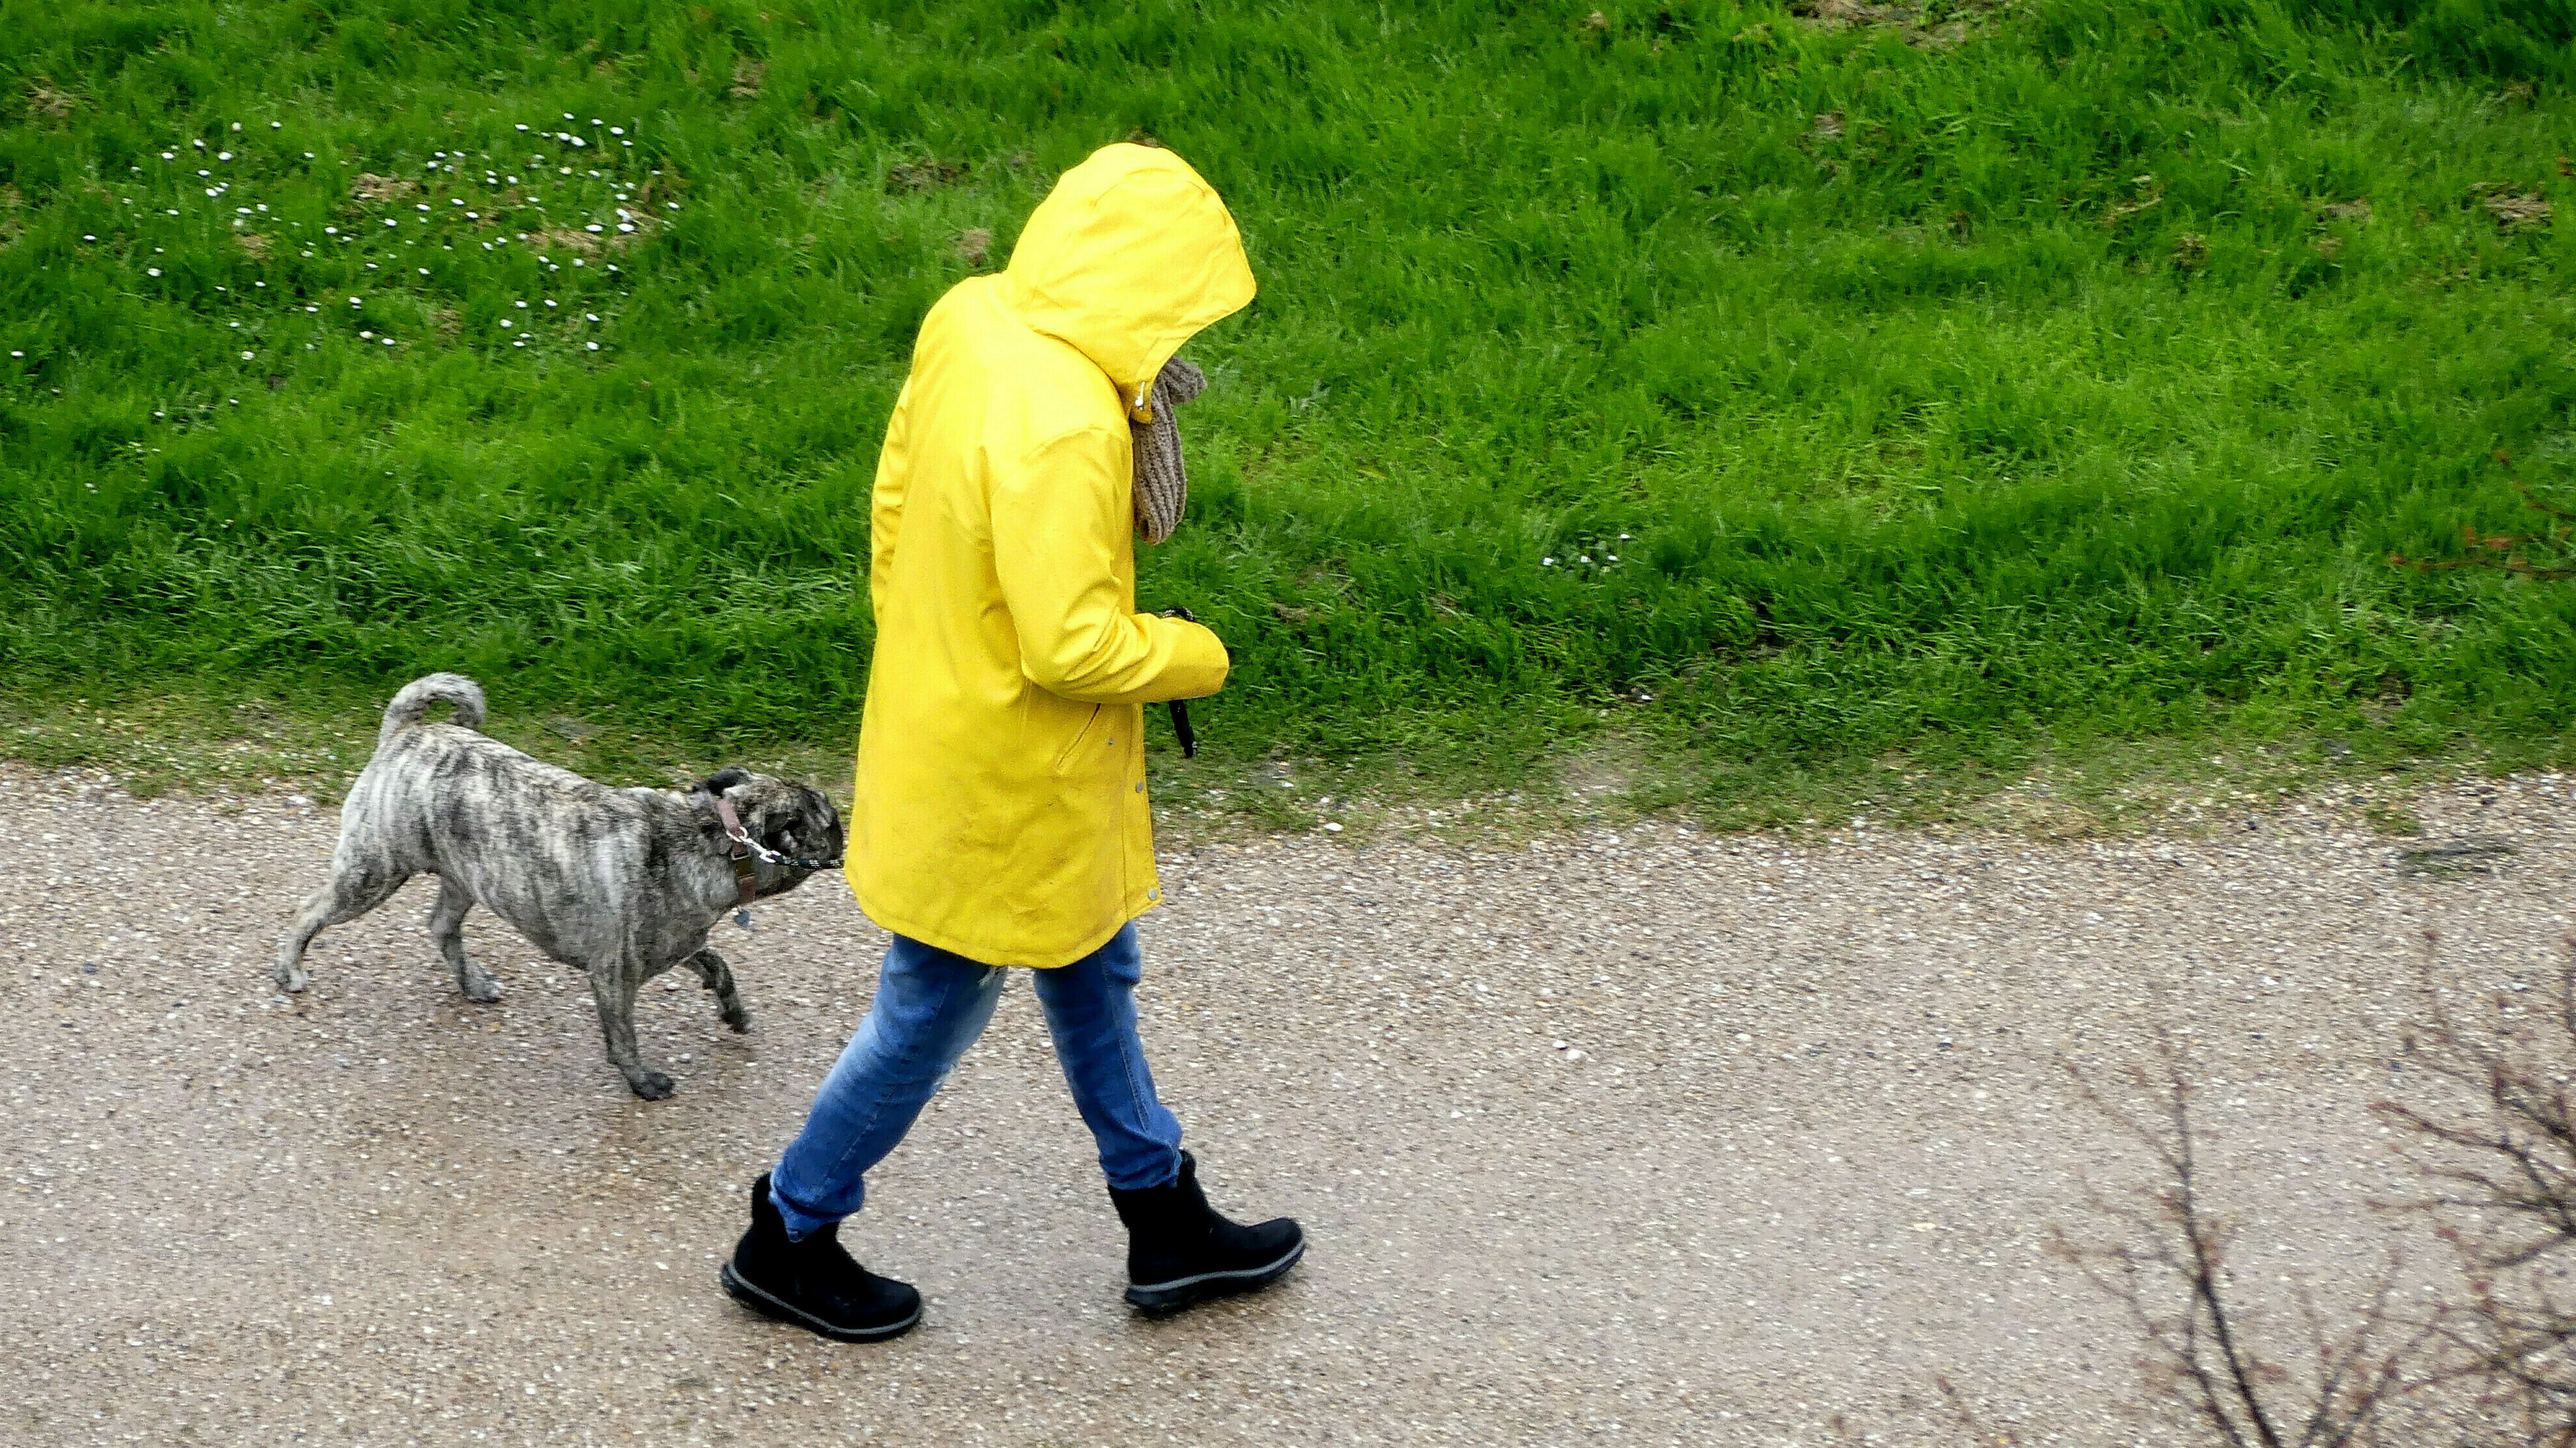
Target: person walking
(1001, 817)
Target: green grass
(2034, 406)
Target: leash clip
(746, 880)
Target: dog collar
(745, 879)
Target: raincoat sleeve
(1058, 520)
(885, 503)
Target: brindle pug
(624, 883)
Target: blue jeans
(930, 1006)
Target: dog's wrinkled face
(786, 817)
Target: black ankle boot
(813, 1283)
(1179, 1251)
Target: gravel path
(1643, 1137)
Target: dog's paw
(483, 992)
(293, 982)
(739, 1019)
(652, 1085)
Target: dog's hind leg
(614, 987)
(352, 892)
(717, 976)
(447, 927)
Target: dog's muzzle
(746, 849)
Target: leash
(1181, 729)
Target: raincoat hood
(1128, 257)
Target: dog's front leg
(613, 984)
(717, 976)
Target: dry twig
(2169, 1272)
(2505, 1199)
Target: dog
(624, 883)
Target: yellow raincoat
(1001, 807)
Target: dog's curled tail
(420, 693)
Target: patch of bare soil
(371, 187)
(927, 174)
(567, 238)
(46, 103)
(1934, 25)
(2526, 211)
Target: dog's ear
(722, 780)
(818, 808)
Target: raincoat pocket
(1073, 746)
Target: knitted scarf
(1162, 485)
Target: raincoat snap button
(1140, 786)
